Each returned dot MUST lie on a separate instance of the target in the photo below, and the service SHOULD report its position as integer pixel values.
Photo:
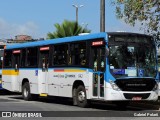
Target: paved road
(16, 103)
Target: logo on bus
(69, 76)
(59, 76)
(80, 75)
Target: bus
(1, 61)
(158, 54)
(113, 66)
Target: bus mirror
(107, 51)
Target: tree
(145, 11)
(67, 28)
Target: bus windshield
(132, 56)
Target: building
(21, 39)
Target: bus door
(16, 65)
(44, 64)
(98, 63)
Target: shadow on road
(94, 105)
(6, 92)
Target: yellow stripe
(43, 95)
(10, 72)
(0, 81)
(73, 70)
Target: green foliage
(67, 28)
(145, 11)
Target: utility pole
(102, 16)
(76, 6)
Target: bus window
(8, 59)
(31, 57)
(23, 57)
(44, 60)
(78, 54)
(60, 54)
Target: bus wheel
(81, 97)
(26, 91)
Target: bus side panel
(89, 92)
(61, 83)
(31, 76)
(53, 83)
(42, 82)
(10, 80)
(6, 84)
(66, 83)
(15, 83)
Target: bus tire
(26, 91)
(81, 98)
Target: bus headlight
(114, 86)
(155, 87)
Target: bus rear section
(103, 67)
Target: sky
(37, 17)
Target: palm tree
(67, 28)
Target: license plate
(137, 98)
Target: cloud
(10, 30)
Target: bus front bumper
(114, 95)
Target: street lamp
(76, 6)
(102, 15)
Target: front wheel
(26, 91)
(81, 97)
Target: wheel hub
(81, 96)
(25, 92)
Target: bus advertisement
(117, 67)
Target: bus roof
(58, 40)
(127, 33)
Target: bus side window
(23, 58)
(78, 54)
(8, 59)
(83, 57)
(32, 57)
(60, 54)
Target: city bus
(158, 54)
(1, 61)
(113, 66)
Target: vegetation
(67, 28)
(145, 11)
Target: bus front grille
(130, 96)
(136, 84)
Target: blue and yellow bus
(1, 61)
(118, 67)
